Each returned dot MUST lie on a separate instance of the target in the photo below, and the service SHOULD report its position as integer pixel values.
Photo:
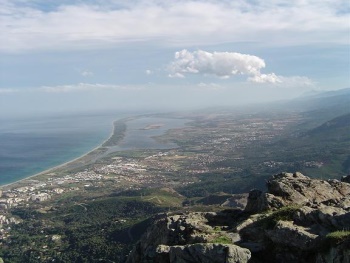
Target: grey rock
(346, 179)
(256, 202)
(204, 253)
(338, 254)
(259, 202)
(238, 201)
(250, 230)
(171, 230)
(287, 234)
(342, 187)
(327, 216)
(253, 246)
(299, 189)
(318, 208)
(305, 216)
(345, 203)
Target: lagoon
(31, 146)
(141, 133)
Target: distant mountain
(320, 94)
(317, 107)
(337, 99)
(336, 124)
(321, 107)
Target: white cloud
(297, 81)
(149, 72)
(210, 86)
(78, 24)
(220, 64)
(266, 78)
(6, 91)
(86, 73)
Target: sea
(32, 145)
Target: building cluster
(314, 164)
(129, 173)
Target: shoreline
(49, 170)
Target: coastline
(80, 158)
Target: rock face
(289, 223)
(188, 237)
(297, 189)
(346, 179)
(287, 234)
(203, 252)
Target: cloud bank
(220, 64)
(67, 25)
(80, 87)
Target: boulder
(346, 179)
(345, 203)
(299, 189)
(327, 216)
(174, 230)
(337, 254)
(203, 253)
(287, 234)
(263, 232)
(342, 187)
(259, 202)
(256, 202)
(238, 201)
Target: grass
(158, 197)
(222, 239)
(283, 214)
(338, 236)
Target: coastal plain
(97, 206)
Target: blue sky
(68, 56)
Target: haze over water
(33, 145)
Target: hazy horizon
(62, 57)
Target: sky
(79, 56)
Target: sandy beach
(82, 160)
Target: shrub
(222, 240)
(338, 236)
(283, 214)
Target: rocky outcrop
(202, 252)
(238, 201)
(346, 179)
(289, 223)
(288, 234)
(336, 254)
(297, 189)
(185, 236)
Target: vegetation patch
(283, 214)
(338, 236)
(222, 239)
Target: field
(97, 210)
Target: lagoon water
(140, 133)
(30, 146)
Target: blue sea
(30, 146)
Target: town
(200, 151)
